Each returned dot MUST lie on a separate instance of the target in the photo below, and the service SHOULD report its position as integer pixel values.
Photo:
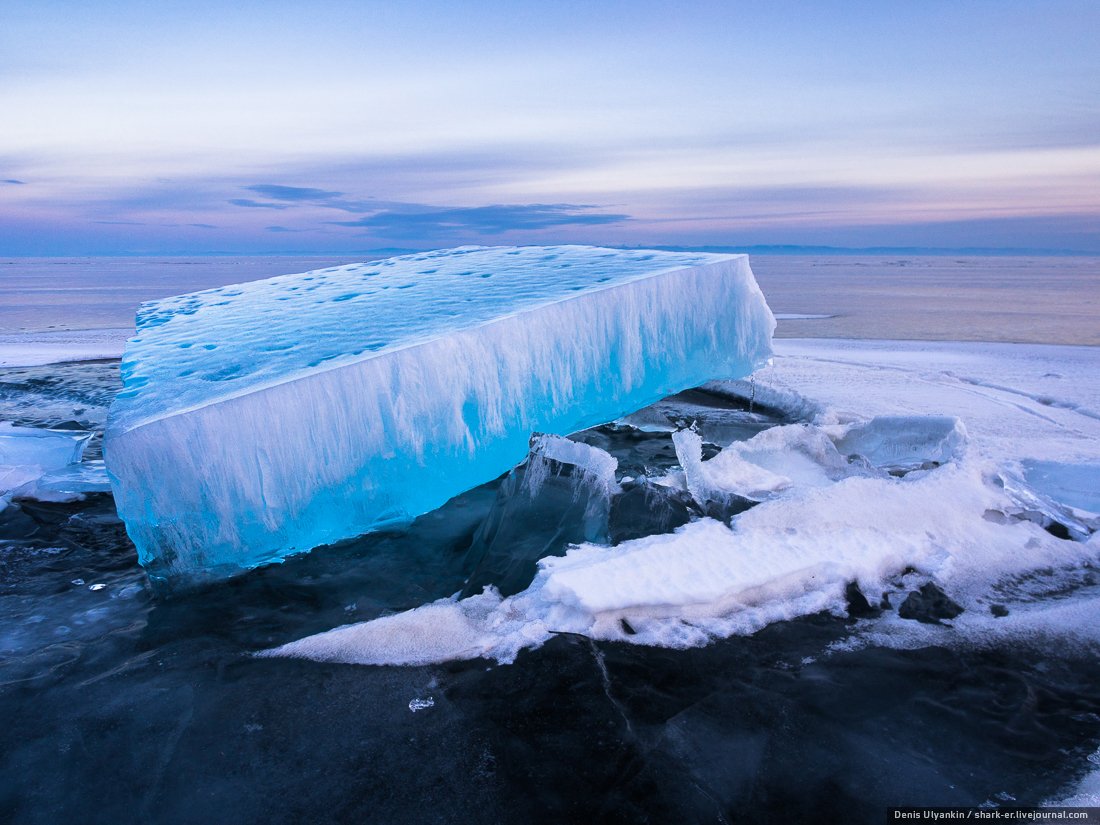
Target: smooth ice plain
(265, 419)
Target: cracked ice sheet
(793, 555)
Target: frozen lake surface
(84, 307)
(690, 681)
(933, 297)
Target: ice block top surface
(193, 349)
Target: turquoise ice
(264, 419)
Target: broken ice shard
(265, 419)
(47, 449)
(561, 495)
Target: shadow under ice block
(264, 419)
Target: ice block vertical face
(265, 419)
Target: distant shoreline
(758, 249)
(39, 349)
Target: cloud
(396, 219)
(14, 182)
(292, 193)
(286, 197)
(309, 196)
(203, 225)
(282, 229)
(421, 220)
(257, 204)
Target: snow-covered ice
(53, 346)
(902, 476)
(1016, 401)
(1086, 792)
(768, 463)
(264, 419)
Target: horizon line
(759, 249)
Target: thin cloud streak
(292, 193)
(251, 204)
(409, 220)
(483, 220)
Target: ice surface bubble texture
(267, 418)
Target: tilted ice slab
(46, 449)
(267, 418)
(33, 461)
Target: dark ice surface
(120, 704)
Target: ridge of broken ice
(264, 419)
(886, 501)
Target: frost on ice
(264, 419)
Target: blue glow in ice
(267, 418)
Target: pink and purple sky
(188, 128)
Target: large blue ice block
(267, 418)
